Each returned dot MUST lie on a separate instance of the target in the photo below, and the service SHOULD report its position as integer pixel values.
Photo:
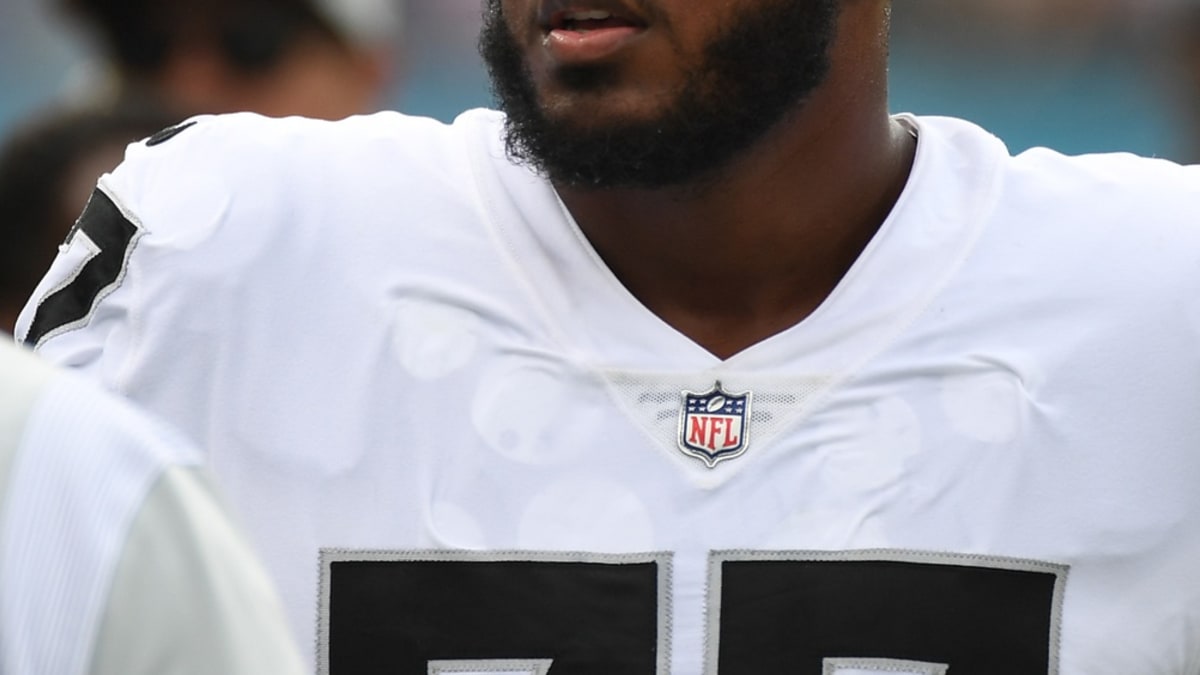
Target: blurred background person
(54, 51)
(48, 167)
(161, 61)
(317, 58)
(1075, 75)
(116, 557)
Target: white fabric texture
(82, 466)
(391, 338)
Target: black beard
(752, 76)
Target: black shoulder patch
(168, 133)
(113, 234)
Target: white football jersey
(115, 556)
(463, 447)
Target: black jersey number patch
(801, 613)
(111, 237)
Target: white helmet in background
(364, 21)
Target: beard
(752, 75)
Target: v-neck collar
(598, 321)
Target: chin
(595, 110)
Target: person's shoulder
(234, 134)
(1109, 176)
(1127, 169)
(1129, 205)
(243, 197)
(1098, 186)
(245, 159)
(250, 143)
(184, 185)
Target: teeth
(588, 15)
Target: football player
(695, 358)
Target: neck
(758, 247)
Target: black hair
(35, 163)
(138, 35)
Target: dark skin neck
(758, 247)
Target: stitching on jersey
(832, 666)
(915, 309)
(328, 556)
(896, 555)
(140, 231)
(1060, 571)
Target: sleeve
(162, 201)
(166, 264)
(188, 595)
(92, 264)
(116, 556)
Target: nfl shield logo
(714, 425)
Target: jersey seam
(479, 159)
(124, 371)
(976, 220)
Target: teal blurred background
(1076, 75)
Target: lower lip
(569, 47)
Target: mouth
(588, 32)
(589, 20)
(587, 16)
